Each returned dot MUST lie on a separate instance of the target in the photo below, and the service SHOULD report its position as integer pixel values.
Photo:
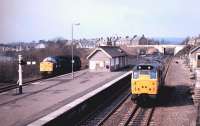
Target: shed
(107, 59)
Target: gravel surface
(121, 113)
(176, 107)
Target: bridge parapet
(161, 48)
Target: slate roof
(110, 51)
(195, 49)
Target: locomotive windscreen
(144, 67)
(50, 59)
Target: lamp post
(72, 44)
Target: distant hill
(169, 40)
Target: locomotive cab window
(49, 59)
(135, 75)
(153, 74)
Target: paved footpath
(41, 98)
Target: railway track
(14, 86)
(126, 113)
(106, 109)
(129, 115)
(139, 117)
(113, 110)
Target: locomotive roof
(55, 58)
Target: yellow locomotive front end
(46, 67)
(144, 85)
(144, 82)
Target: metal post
(72, 53)
(72, 44)
(20, 74)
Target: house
(104, 41)
(137, 40)
(86, 43)
(107, 59)
(191, 41)
(194, 58)
(123, 41)
(194, 41)
(40, 46)
(114, 41)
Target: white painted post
(20, 74)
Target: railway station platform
(43, 97)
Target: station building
(194, 58)
(107, 59)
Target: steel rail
(14, 86)
(150, 117)
(113, 110)
(131, 116)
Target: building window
(107, 67)
(117, 61)
(92, 65)
(107, 62)
(102, 64)
(198, 57)
(112, 62)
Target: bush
(9, 69)
(8, 72)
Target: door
(198, 61)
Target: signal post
(20, 73)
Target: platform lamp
(72, 44)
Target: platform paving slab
(41, 98)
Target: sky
(28, 20)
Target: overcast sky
(28, 20)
